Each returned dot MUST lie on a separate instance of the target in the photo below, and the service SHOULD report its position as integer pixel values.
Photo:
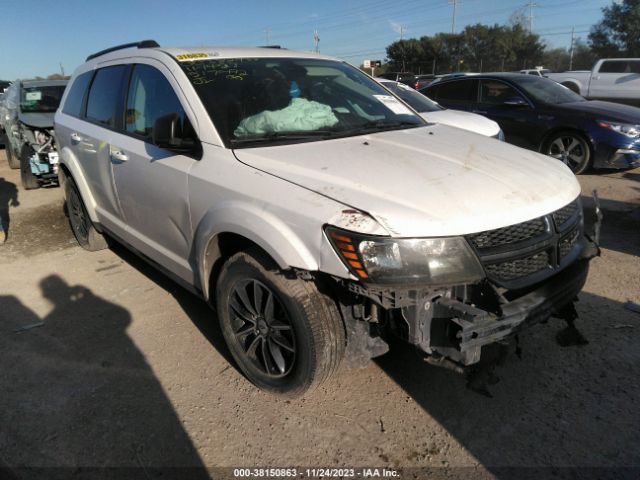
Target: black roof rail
(142, 44)
(271, 46)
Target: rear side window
(105, 96)
(620, 66)
(151, 96)
(460, 92)
(75, 97)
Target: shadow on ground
(620, 229)
(78, 395)
(8, 198)
(198, 310)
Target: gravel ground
(107, 363)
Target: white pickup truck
(615, 79)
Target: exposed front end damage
(534, 270)
(43, 155)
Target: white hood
(465, 120)
(429, 181)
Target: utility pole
(316, 41)
(531, 6)
(455, 11)
(61, 69)
(401, 37)
(267, 31)
(573, 33)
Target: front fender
(260, 226)
(69, 160)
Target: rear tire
(29, 180)
(81, 225)
(571, 148)
(13, 162)
(286, 336)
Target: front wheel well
(220, 248)
(573, 86)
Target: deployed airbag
(300, 115)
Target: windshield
(41, 99)
(253, 101)
(547, 91)
(419, 102)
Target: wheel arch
(547, 136)
(572, 85)
(227, 231)
(69, 168)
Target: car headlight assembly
(425, 261)
(501, 135)
(631, 131)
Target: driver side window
(151, 96)
(493, 92)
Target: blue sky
(36, 35)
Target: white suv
(318, 212)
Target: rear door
(616, 79)
(459, 94)
(89, 139)
(151, 182)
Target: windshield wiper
(283, 136)
(380, 126)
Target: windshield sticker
(201, 73)
(33, 96)
(191, 56)
(394, 105)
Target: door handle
(75, 138)
(481, 112)
(119, 156)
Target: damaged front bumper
(451, 325)
(475, 328)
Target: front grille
(527, 252)
(565, 213)
(508, 235)
(568, 242)
(519, 268)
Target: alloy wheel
(77, 215)
(262, 328)
(570, 150)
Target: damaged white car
(318, 213)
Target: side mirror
(515, 102)
(167, 133)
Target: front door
(151, 182)
(503, 104)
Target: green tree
(618, 33)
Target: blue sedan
(542, 115)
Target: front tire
(81, 225)
(285, 335)
(571, 148)
(29, 180)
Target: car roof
(241, 52)
(497, 76)
(203, 52)
(44, 83)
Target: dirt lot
(105, 362)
